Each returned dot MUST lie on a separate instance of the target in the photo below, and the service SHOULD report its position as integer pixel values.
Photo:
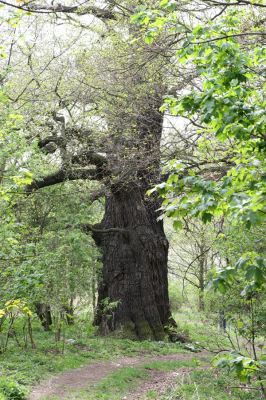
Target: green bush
(10, 390)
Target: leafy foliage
(244, 367)
(230, 108)
(11, 390)
(224, 179)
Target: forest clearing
(132, 200)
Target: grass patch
(113, 386)
(151, 394)
(119, 382)
(209, 384)
(170, 365)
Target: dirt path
(80, 378)
(159, 382)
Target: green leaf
(177, 224)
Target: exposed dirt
(159, 382)
(62, 384)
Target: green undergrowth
(202, 330)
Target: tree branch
(235, 3)
(60, 8)
(91, 228)
(63, 176)
(231, 36)
(50, 143)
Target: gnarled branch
(63, 176)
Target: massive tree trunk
(134, 268)
(133, 295)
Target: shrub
(10, 390)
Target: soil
(80, 378)
(159, 382)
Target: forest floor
(83, 366)
(150, 376)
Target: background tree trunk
(202, 268)
(44, 313)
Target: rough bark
(134, 268)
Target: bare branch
(60, 8)
(235, 3)
(231, 36)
